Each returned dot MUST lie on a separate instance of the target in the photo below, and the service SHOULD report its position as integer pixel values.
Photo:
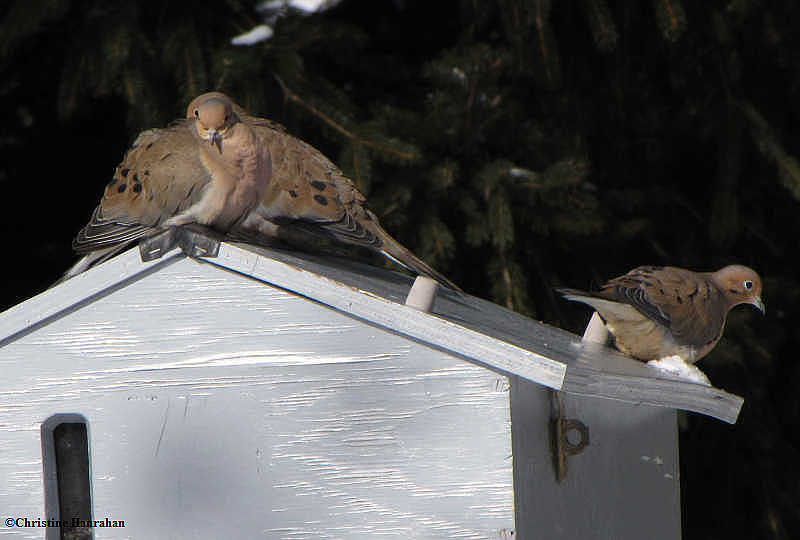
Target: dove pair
(248, 178)
(243, 176)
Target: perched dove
(306, 192)
(210, 169)
(655, 312)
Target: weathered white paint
(400, 318)
(75, 292)
(220, 407)
(406, 320)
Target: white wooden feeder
(256, 393)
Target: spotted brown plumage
(175, 167)
(655, 312)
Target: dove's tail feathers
(394, 250)
(91, 259)
(83, 264)
(102, 233)
(609, 310)
(366, 232)
(351, 230)
(575, 295)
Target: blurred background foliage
(516, 145)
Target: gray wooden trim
(602, 372)
(624, 485)
(396, 317)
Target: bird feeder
(240, 392)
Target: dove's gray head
(213, 115)
(740, 284)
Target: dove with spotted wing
(306, 191)
(209, 169)
(655, 312)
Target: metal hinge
(194, 241)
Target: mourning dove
(307, 192)
(655, 312)
(209, 169)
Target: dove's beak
(215, 139)
(759, 303)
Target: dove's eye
(748, 284)
(197, 113)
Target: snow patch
(309, 6)
(261, 32)
(674, 365)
